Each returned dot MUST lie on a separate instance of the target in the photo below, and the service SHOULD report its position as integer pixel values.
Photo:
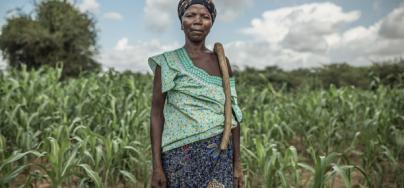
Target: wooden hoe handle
(219, 51)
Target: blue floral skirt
(199, 164)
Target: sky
(256, 33)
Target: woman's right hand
(158, 178)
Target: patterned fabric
(194, 108)
(199, 164)
(183, 5)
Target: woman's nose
(198, 20)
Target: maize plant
(93, 131)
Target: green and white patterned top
(194, 107)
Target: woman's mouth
(196, 31)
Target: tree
(58, 33)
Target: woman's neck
(195, 48)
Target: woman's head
(197, 17)
(183, 5)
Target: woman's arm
(236, 143)
(238, 170)
(157, 119)
(235, 131)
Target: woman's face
(196, 23)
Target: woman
(188, 104)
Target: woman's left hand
(238, 180)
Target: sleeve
(167, 74)
(234, 102)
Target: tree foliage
(389, 73)
(57, 33)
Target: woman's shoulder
(167, 60)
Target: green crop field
(94, 132)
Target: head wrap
(183, 5)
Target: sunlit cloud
(89, 5)
(133, 56)
(316, 34)
(115, 16)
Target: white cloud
(314, 34)
(293, 37)
(380, 41)
(115, 16)
(361, 46)
(159, 14)
(89, 5)
(229, 10)
(393, 25)
(262, 54)
(318, 19)
(127, 56)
